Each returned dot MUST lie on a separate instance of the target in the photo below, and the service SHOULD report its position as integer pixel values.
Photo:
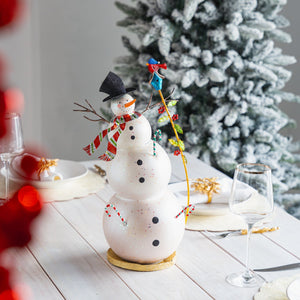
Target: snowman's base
(115, 260)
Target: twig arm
(89, 109)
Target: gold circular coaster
(115, 260)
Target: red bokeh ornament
(9, 11)
(16, 217)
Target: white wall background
(63, 50)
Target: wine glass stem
(249, 230)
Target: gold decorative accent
(261, 230)
(115, 260)
(100, 171)
(208, 186)
(44, 165)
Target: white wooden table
(67, 259)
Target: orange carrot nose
(129, 103)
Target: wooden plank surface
(74, 267)
(86, 217)
(27, 276)
(288, 236)
(208, 265)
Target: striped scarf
(119, 124)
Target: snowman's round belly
(139, 175)
(152, 232)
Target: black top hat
(113, 86)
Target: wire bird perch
(149, 106)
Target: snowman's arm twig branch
(89, 109)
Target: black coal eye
(155, 220)
(155, 243)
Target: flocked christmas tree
(228, 74)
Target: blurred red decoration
(175, 117)
(2, 110)
(16, 217)
(2, 101)
(29, 164)
(6, 293)
(2, 68)
(29, 198)
(11, 101)
(9, 11)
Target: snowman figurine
(143, 222)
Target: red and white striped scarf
(119, 124)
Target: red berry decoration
(175, 117)
(161, 110)
(177, 152)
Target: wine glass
(11, 144)
(252, 199)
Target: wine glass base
(245, 279)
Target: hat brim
(128, 90)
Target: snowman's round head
(123, 105)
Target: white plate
(293, 290)
(70, 170)
(218, 206)
(180, 191)
(211, 209)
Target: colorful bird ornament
(154, 65)
(156, 78)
